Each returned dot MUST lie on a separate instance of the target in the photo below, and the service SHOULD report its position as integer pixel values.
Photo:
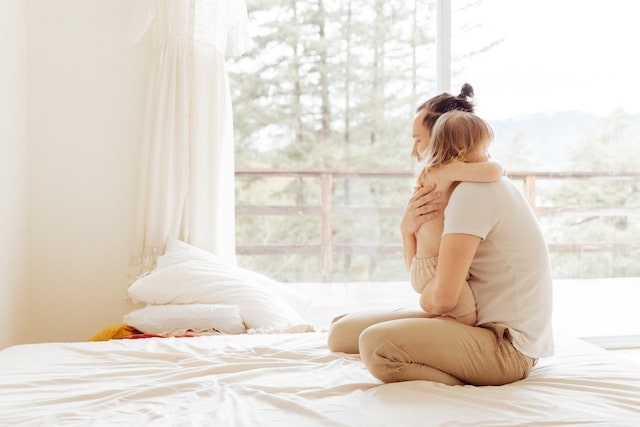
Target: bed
(293, 380)
(217, 345)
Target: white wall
(13, 173)
(86, 85)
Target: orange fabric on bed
(119, 331)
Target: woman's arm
(488, 171)
(422, 207)
(441, 293)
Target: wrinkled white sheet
(293, 380)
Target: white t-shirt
(510, 275)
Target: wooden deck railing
(326, 210)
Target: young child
(457, 151)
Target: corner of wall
(13, 175)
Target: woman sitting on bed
(491, 239)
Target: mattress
(294, 380)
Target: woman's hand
(420, 209)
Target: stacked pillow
(178, 319)
(194, 290)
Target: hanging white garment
(187, 166)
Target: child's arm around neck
(489, 171)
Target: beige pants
(404, 345)
(423, 270)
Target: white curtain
(186, 187)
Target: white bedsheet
(293, 380)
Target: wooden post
(530, 191)
(326, 232)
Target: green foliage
(329, 85)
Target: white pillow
(173, 319)
(189, 275)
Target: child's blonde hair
(454, 136)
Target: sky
(555, 55)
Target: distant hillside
(543, 141)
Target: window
(323, 107)
(557, 83)
(327, 95)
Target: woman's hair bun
(466, 91)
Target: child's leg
(465, 311)
(423, 270)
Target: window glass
(557, 80)
(326, 96)
(323, 105)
